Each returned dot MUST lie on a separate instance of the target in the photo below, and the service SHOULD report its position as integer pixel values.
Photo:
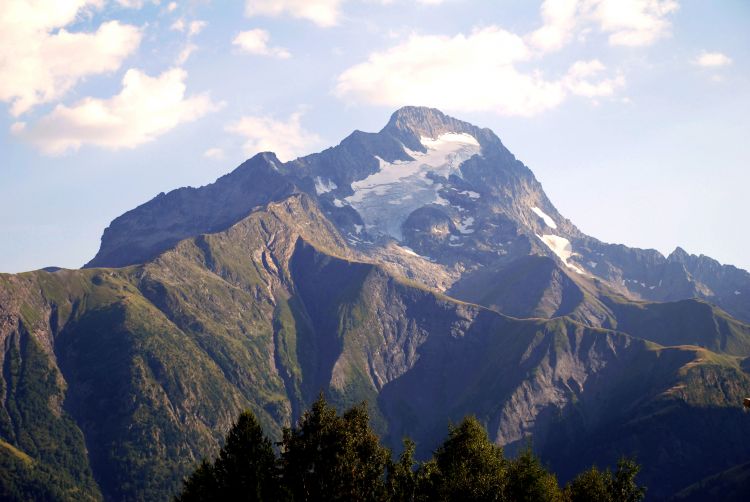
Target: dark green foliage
(201, 485)
(338, 457)
(402, 479)
(468, 466)
(332, 457)
(591, 485)
(246, 464)
(594, 485)
(624, 488)
(42, 452)
(529, 481)
(244, 470)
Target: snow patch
(441, 201)
(464, 225)
(408, 250)
(358, 228)
(547, 219)
(338, 203)
(385, 198)
(472, 194)
(737, 293)
(324, 186)
(562, 248)
(446, 139)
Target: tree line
(332, 457)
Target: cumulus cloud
(40, 61)
(712, 60)
(469, 73)
(560, 19)
(633, 22)
(145, 108)
(321, 12)
(256, 42)
(626, 22)
(287, 139)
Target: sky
(633, 114)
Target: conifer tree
(245, 469)
(328, 457)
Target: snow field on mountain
(547, 219)
(324, 186)
(386, 198)
(562, 248)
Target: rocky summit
(421, 268)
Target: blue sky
(634, 114)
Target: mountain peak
(419, 118)
(679, 255)
(410, 123)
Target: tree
(594, 485)
(402, 480)
(335, 457)
(529, 481)
(328, 457)
(624, 487)
(244, 470)
(467, 466)
(201, 485)
(591, 485)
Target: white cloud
(578, 80)
(285, 138)
(131, 4)
(172, 6)
(468, 73)
(712, 60)
(178, 25)
(560, 19)
(145, 108)
(185, 53)
(321, 12)
(627, 22)
(214, 154)
(256, 42)
(632, 22)
(40, 61)
(192, 28)
(196, 27)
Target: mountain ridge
(491, 210)
(268, 286)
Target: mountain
(421, 268)
(446, 190)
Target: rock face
(141, 234)
(446, 189)
(474, 296)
